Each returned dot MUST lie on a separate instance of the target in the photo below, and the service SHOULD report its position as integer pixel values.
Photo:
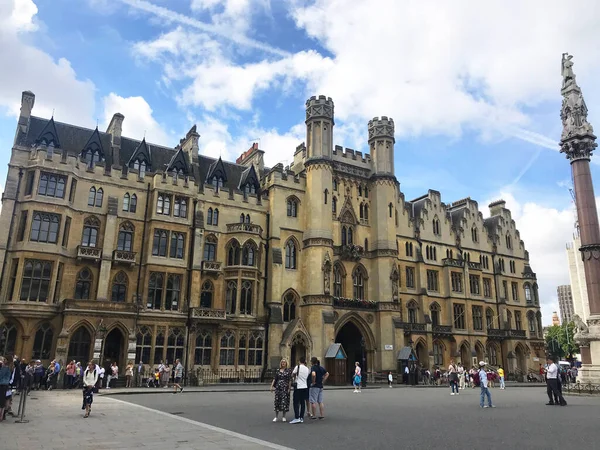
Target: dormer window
(217, 183)
(91, 157)
(249, 188)
(140, 166)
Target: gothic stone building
(118, 249)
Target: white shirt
(552, 371)
(90, 378)
(357, 371)
(302, 372)
(390, 377)
(406, 370)
(483, 378)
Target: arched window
(366, 192)
(246, 298)
(217, 183)
(125, 240)
(508, 242)
(133, 204)
(493, 355)
(44, 228)
(474, 234)
(359, 283)
(290, 254)
(489, 319)
(366, 245)
(289, 307)
(435, 313)
(531, 321)
(99, 197)
(242, 350)
(203, 352)
(155, 291)
(233, 254)
(209, 216)
(231, 297)
(227, 353)
(173, 292)
(528, 296)
(79, 345)
(350, 236)
(160, 243)
(391, 208)
(518, 324)
(91, 226)
(177, 245)
(159, 347)
(119, 287)
(180, 207)
(366, 212)
(438, 354)
(325, 194)
(338, 286)
(344, 236)
(83, 287)
(42, 344)
(206, 296)
(175, 344)
(126, 201)
(538, 317)
(335, 185)
(215, 217)
(255, 349)
(536, 297)
(334, 205)
(436, 227)
(8, 339)
(92, 196)
(242, 218)
(210, 248)
(412, 312)
(292, 207)
(361, 209)
(360, 190)
(509, 320)
(141, 167)
(249, 255)
(36, 280)
(143, 345)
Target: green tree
(560, 341)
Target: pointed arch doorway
(355, 346)
(299, 349)
(113, 350)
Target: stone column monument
(578, 142)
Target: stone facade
(581, 303)
(565, 302)
(119, 250)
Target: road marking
(206, 426)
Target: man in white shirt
(552, 382)
(300, 374)
(483, 383)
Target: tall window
(141, 167)
(334, 205)
(435, 313)
(515, 291)
(233, 254)
(177, 245)
(493, 355)
(509, 320)
(487, 287)
(436, 227)
(91, 226)
(9, 332)
(36, 280)
(125, 240)
(83, 287)
(290, 254)
(518, 324)
(242, 349)
(29, 182)
(432, 280)
(42, 344)
(410, 277)
(203, 351)
(143, 345)
(246, 298)
(477, 318)
(163, 204)
(231, 297)
(459, 316)
(431, 252)
(217, 183)
(456, 279)
(175, 345)
(227, 353)
(13, 279)
(249, 255)
(289, 307)
(438, 354)
(292, 207)
(173, 292)
(338, 287)
(119, 287)
(159, 245)
(52, 185)
(126, 201)
(409, 249)
(255, 349)
(210, 248)
(531, 321)
(66, 231)
(412, 312)
(155, 290)
(474, 235)
(508, 242)
(22, 226)
(95, 197)
(489, 319)
(44, 228)
(474, 284)
(358, 281)
(206, 295)
(528, 297)
(130, 203)
(59, 274)
(180, 207)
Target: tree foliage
(560, 341)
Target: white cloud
(545, 231)
(25, 67)
(138, 122)
(234, 15)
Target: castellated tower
(319, 127)
(381, 144)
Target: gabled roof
(94, 143)
(336, 351)
(179, 163)
(249, 176)
(142, 152)
(406, 353)
(216, 169)
(347, 214)
(49, 135)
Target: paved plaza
(377, 418)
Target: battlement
(320, 107)
(349, 153)
(381, 127)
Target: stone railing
(495, 332)
(208, 313)
(244, 228)
(442, 329)
(474, 265)
(122, 256)
(341, 302)
(94, 253)
(211, 266)
(410, 327)
(517, 333)
(453, 262)
(98, 305)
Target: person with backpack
(90, 378)
(357, 377)
(453, 377)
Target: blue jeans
(485, 391)
(454, 386)
(502, 383)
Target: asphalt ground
(399, 418)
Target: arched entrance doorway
(79, 346)
(113, 349)
(465, 355)
(299, 349)
(355, 347)
(422, 354)
(520, 354)
(479, 352)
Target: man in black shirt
(318, 376)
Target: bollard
(20, 404)
(23, 402)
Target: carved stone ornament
(394, 277)
(580, 326)
(327, 274)
(589, 252)
(351, 252)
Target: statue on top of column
(567, 70)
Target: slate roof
(333, 349)
(405, 353)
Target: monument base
(589, 342)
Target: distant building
(581, 304)
(555, 319)
(565, 303)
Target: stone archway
(299, 348)
(520, 359)
(355, 346)
(80, 346)
(422, 353)
(465, 354)
(113, 349)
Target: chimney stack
(115, 128)
(27, 102)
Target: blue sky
(474, 90)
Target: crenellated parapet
(381, 128)
(320, 107)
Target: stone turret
(319, 127)
(381, 143)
